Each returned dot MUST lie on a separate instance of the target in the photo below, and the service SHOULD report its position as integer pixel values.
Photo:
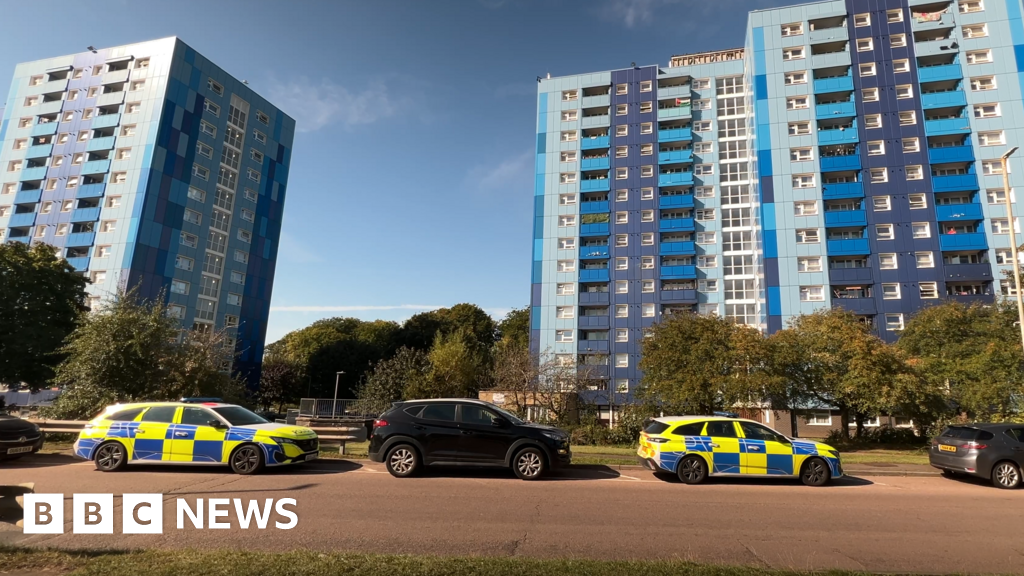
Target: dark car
(991, 451)
(463, 432)
(18, 437)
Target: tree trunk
(859, 419)
(793, 423)
(844, 421)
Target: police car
(695, 447)
(209, 433)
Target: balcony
(968, 299)
(842, 190)
(833, 163)
(972, 241)
(96, 167)
(676, 179)
(674, 112)
(28, 174)
(600, 275)
(52, 86)
(850, 247)
(935, 47)
(80, 264)
(86, 214)
(849, 275)
(845, 218)
(594, 163)
(955, 183)
(830, 60)
(957, 273)
(593, 321)
(681, 91)
(676, 225)
(598, 101)
(944, 21)
(51, 107)
(828, 35)
(28, 196)
(47, 129)
(116, 77)
(593, 298)
(675, 135)
(673, 248)
(110, 98)
(675, 156)
(594, 185)
(836, 136)
(599, 229)
(677, 201)
(90, 190)
(106, 121)
(593, 346)
(22, 220)
(595, 121)
(943, 99)
(587, 252)
(679, 272)
(591, 142)
(951, 154)
(947, 126)
(39, 151)
(98, 144)
(835, 110)
(939, 73)
(593, 207)
(836, 84)
(855, 305)
(958, 213)
(679, 296)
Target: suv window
(444, 412)
(966, 433)
(472, 414)
(1016, 434)
(128, 415)
(691, 429)
(721, 429)
(196, 417)
(758, 432)
(160, 414)
(656, 428)
(414, 411)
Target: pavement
(925, 524)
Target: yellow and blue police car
(210, 433)
(695, 447)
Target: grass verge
(235, 563)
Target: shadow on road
(844, 482)
(38, 461)
(561, 474)
(971, 480)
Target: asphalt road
(887, 524)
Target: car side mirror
(499, 423)
(216, 424)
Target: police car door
(152, 437)
(725, 446)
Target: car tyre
(692, 470)
(110, 457)
(402, 461)
(247, 459)
(1006, 475)
(815, 472)
(528, 464)
(948, 474)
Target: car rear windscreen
(656, 427)
(966, 433)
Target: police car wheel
(815, 472)
(529, 464)
(692, 470)
(402, 461)
(111, 457)
(247, 459)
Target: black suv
(463, 432)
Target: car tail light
(657, 440)
(379, 423)
(935, 441)
(974, 446)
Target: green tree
(281, 383)
(41, 298)
(391, 378)
(421, 329)
(459, 368)
(514, 328)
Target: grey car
(991, 451)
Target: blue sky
(411, 181)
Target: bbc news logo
(144, 514)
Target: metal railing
(328, 408)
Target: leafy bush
(876, 437)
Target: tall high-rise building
(147, 166)
(848, 156)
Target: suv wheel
(1006, 475)
(402, 461)
(815, 472)
(111, 457)
(692, 470)
(529, 464)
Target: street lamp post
(1013, 242)
(334, 405)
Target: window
(869, 94)
(621, 286)
(66, 205)
(805, 208)
(123, 154)
(986, 111)
(876, 148)
(621, 240)
(881, 203)
(566, 177)
(566, 265)
(72, 182)
(864, 45)
(799, 128)
(887, 261)
(872, 120)
(1000, 226)
(214, 87)
(980, 83)
(647, 311)
(891, 291)
(702, 126)
(621, 109)
(647, 286)
(914, 173)
(797, 103)
(929, 290)
(647, 215)
(705, 237)
(253, 174)
(994, 138)
(917, 201)
(997, 195)
(565, 289)
(200, 172)
(979, 56)
(646, 107)
(812, 294)
(796, 77)
(704, 169)
(705, 214)
(884, 232)
(647, 193)
(245, 236)
(921, 229)
(894, 16)
(83, 136)
(899, 66)
(701, 84)
(204, 150)
(179, 287)
(564, 312)
(647, 171)
(794, 29)
(893, 322)
(128, 130)
(566, 243)
(924, 260)
(647, 149)
(904, 91)
(702, 104)
(911, 145)
(622, 89)
(190, 240)
(237, 277)
(241, 257)
(807, 236)
(795, 53)
(861, 20)
(193, 217)
(622, 264)
(968, 6)
(647, 263)
(62, 229)
(868, 69)
(621, 310)
(259, 136)
(646, 86)
(567, 199)
(622, 130)
(183, 263)
(647, 128)
(800, 154)
(808, 264)
(621, 173)
(878, 175)
(908, 118)
(991, 167)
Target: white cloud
(512, 171)
(315, 105)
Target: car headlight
(557, 437)
(283, 440)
